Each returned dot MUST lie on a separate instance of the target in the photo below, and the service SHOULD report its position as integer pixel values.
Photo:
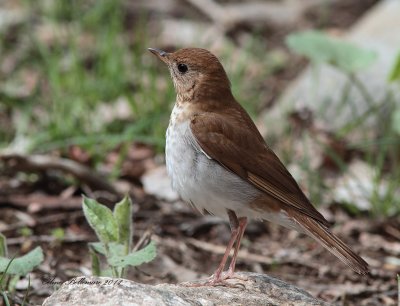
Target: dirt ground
(189, 246)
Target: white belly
(202, 181)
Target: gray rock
(321, 89)
(258, 289)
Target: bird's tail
(332, 243)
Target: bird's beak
(162, 55)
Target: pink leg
(242, 227)
(234, 223)
(237, 229)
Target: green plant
(25, 231)
(321, 48)
(12, 269)
(58, 233)
(92, 62)
(394, 74)
(114, 231)
(3, 291)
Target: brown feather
(332, 243)
(244, 152)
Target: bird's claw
(221, 280)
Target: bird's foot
(232, 275)
(219, 280)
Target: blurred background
(84, 108)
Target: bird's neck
(215, 92)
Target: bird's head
(197, 74)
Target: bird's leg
(242, 226)
(238, 226)
(234, 223)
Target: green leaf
(5, 297)
(107, 272)
(24, 264)
(144, 255)
(97, 247)
(395, 73)
(123, 216)
(101, 219)
(321, 48)
(398, 285)
(58, 233)
(396, 121)
(115, 249)
(95, 263)
(25, 231)
(3, 246)
(3, 276)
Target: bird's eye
(182, 68)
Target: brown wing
(244, 152)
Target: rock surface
(258, 289)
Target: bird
(220, 164)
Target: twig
(48, 239)
(244, 254)
(43, 220)
(220, 250)
(143, 239)
(42, 202)
(45, 163)
(394, 232)
(281, 13)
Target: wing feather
(245, 153)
